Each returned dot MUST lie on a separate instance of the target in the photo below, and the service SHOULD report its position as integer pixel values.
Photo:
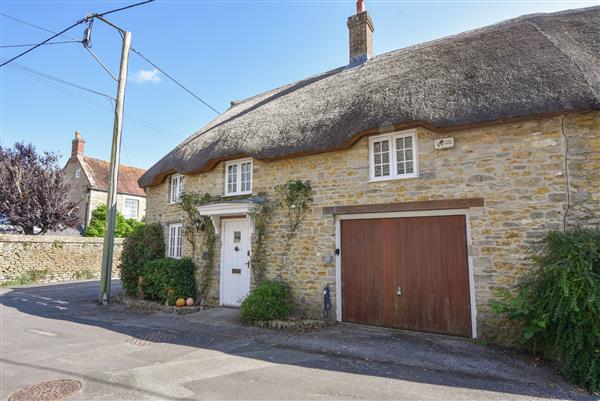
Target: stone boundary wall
(48, 259)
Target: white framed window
(78, 172)
(175, 239)
(175, 188)
(238, 177)
(393, 156)
(131, 208)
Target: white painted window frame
(393, 159)
(175, 245)
(420, 213)
(78, 172)
(180, 180)
(237, 163)
(137, 213)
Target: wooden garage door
(409, 272)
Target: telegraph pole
(109, 233)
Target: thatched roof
(531, 65)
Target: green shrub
(98, 221)
(559, 305)
(168, 279)
(146, 242)
(269, 301)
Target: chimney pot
(360, 6)
(77, 145)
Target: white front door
(235, 261)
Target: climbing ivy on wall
(295, 196)
(261, 217)
(198, 230)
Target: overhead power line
(45, 44)
(42, 43)
(122, 8)
(174, 80)
(61, 33)
(60, 80)
(133, 49)
(54, 83)
(33, 25)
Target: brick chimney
(360, 27)
(77, 145)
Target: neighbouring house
(433, 167)
(88, 178)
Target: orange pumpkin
(180, 302)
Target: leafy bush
(98, 221)
(168, 279)
(559, 305)
(269, 301)
(146, 242)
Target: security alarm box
(444, 143)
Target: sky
(220, 50)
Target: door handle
(399, 291)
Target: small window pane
(408, 142)
(385, 146)
(400, 156)
(377, 171)
(237, 237)
(377, 147)
(400, 143)
(386, 169)
(409, 167)
(400, 168)
(377, 158)
(386, 157)
(408, 154)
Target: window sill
(237, 194)
(402, 177)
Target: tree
(97, 224)
(33, 190)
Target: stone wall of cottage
(518, 168)
(47, 259)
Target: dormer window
(175, 188)
(238, 177)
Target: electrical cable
(49, 43)
(42, 43)
(48, 76)
(174, 80)
(33, 25)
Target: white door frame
(420, 213)
(222, 271)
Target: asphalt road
(58, 332)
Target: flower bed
(298, 325)
(157, 307)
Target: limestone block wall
(53, 258)
(518, 168)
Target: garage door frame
(421, 213)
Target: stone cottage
(433, 168)
(88, 180)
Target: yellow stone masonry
(518, 168)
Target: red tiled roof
(98, 171)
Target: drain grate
(152, 338)
(48, 391)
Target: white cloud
(146, 76)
